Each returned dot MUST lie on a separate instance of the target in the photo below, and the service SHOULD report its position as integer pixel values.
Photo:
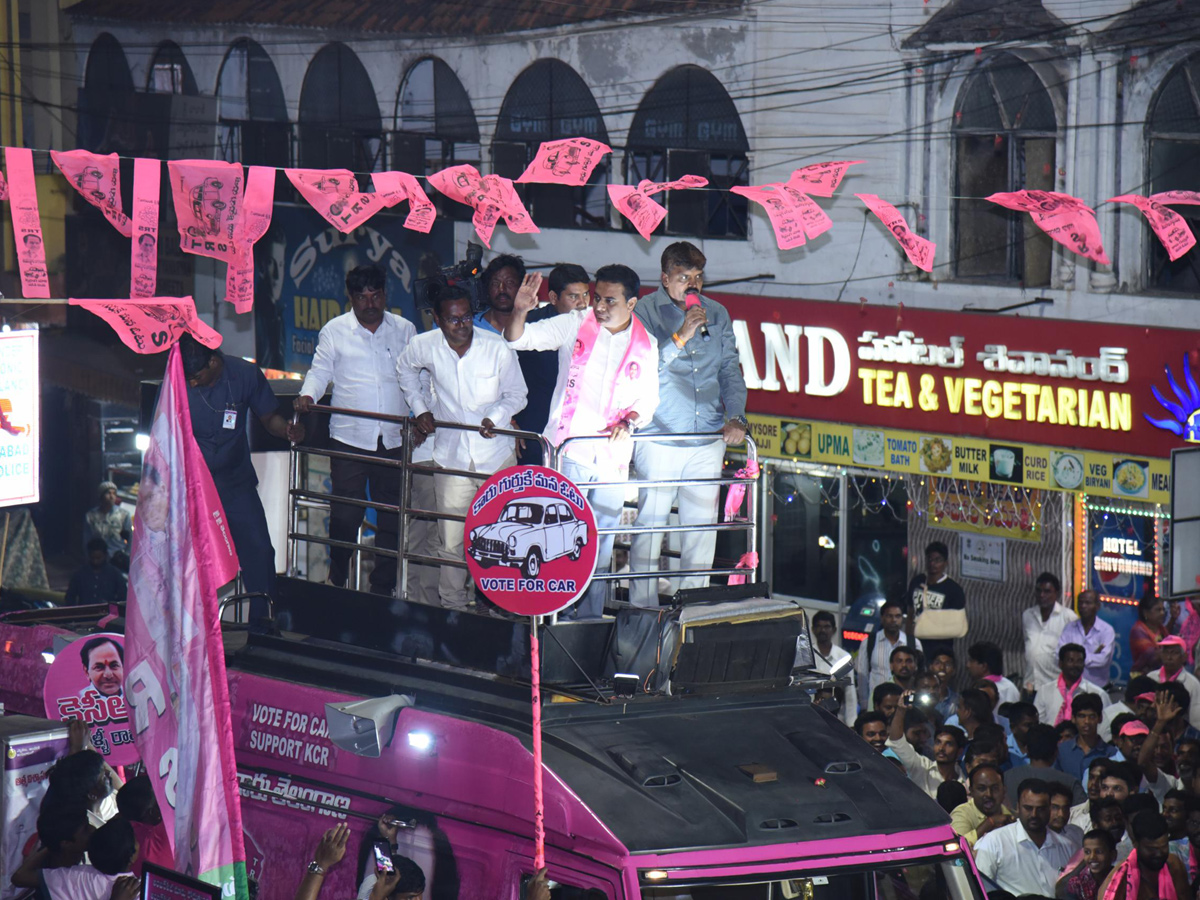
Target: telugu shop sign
(992, 378)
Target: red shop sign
(1043, 381)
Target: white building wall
(811, 83)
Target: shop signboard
(1118, 475)
(20, 432)
(1120, 567)
(1003, 386)
(300, 270)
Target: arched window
(547, 102)
(687, 125)
(170, 72)
(1005, 130)
(340, 125)
(106, 101)
(252, 119)
(1173, 154)
(435, 125)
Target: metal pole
(4, 546)
(293, 503)
(843, 544)
(404, 503)
(539, 813)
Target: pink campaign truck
(726, 787)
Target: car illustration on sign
(207, 208)
(529, 533)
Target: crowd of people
(598, 362)
(95, 832)
(1059, 791)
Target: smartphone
(383, 858)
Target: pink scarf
(1163, 677)
(1129, 873)
(1193, 868)
(737, 492)
(1190, 632)
(748, 561)
(638, 360)
(994, 679)
(1067, 694)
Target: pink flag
(569, 161)
(256, 219)
(143, 260)
(335, 195)
(175, 682)
(821, 179)
(27, 223)
(493, 198)
(1068, 220)
(634, 203)
(919, 250)
(1169, 225)
(154, 324)
(794, 215)
(401, 185)
(98, 180)
(1184, 198)
(221, 215)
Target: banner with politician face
(87, 681)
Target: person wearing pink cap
(1173, 652)
(1139, 684)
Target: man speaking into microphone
(701, 390)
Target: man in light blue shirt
(701, 390)
(1094, 635)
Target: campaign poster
(27, 758)
(20, 431)
(87, 681)
(300, 268)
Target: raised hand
(527, 297)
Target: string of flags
(222, 209)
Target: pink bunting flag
(919, 250)
(220, 215)
(1183, 198)
(143, 260)
(794, 215)
(27, 223)
(568, 161)
(492, 197)
(1167, 224)
(821, 179)
(634, 203)
(98, 180)
(153, 324)
(1068, 220)
(402, 186)
(335, 195)
(256, 219)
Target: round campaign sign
(530, 540)
(87, 681)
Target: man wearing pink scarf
(607, 385)
(1053, 700)
(1150, 872)
(1173, 651)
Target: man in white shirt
(357, 351)
(873, 663)
(927, 774)
(1043, 625)
(474, 380)
(607, 385)
(1026, 856)
(1052, 695)
(1174, 654)
(826, 655)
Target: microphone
(693, 299)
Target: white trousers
(454, 495)
(422, 537)
(697, 506)
(607, 504)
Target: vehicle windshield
(941, 879)
(523, 513)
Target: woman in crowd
(1150, 628)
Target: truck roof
(662, 773)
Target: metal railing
(301, 497)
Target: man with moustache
(357, 351)
(1026, 856)
(702, 392)
(474, 379)
(607, 385)
(1151, 871)
(1096, 636)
